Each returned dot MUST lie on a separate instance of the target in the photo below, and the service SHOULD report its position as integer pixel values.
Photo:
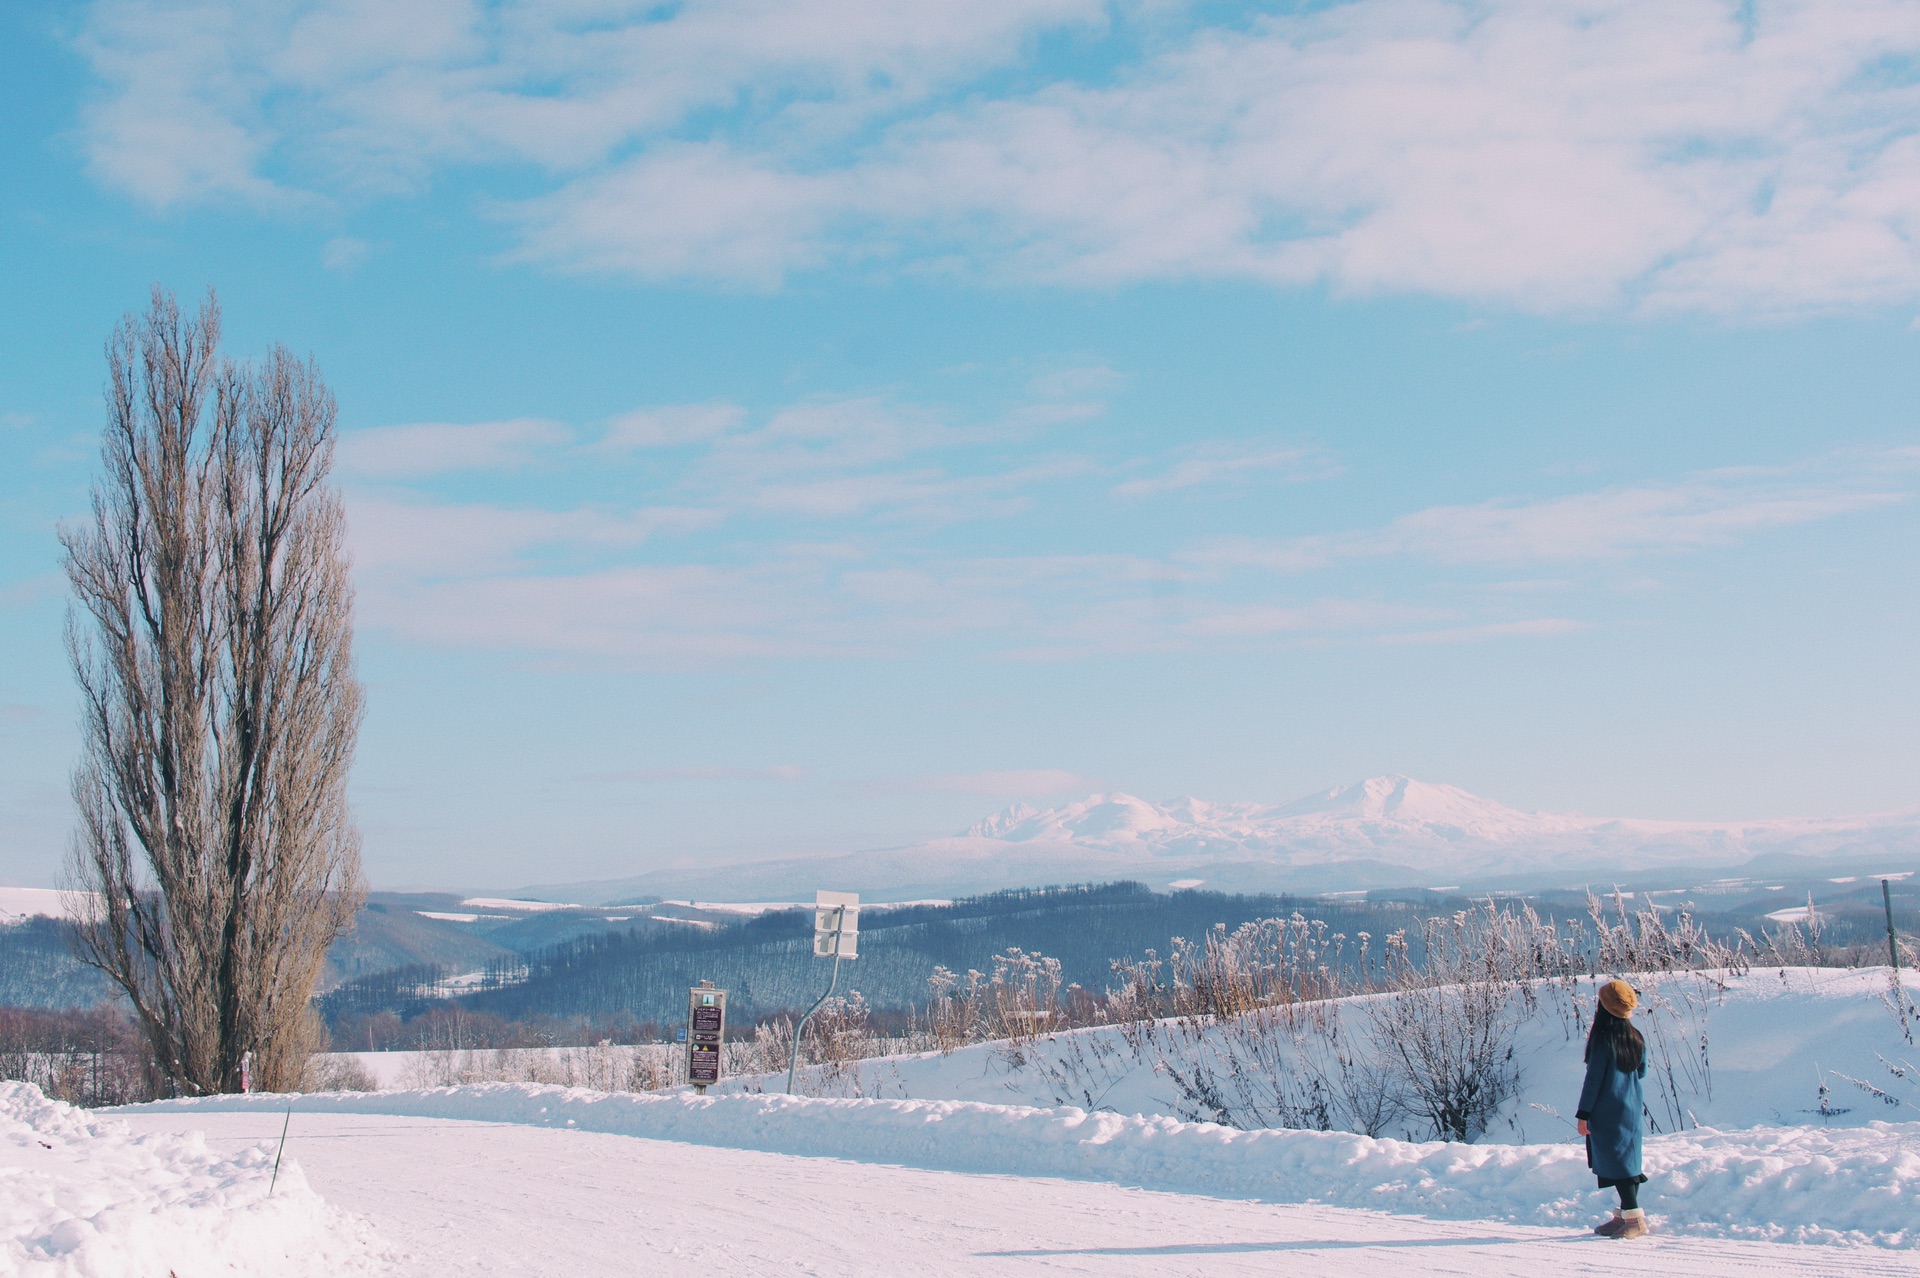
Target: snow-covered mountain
(1380, 812)
(1386, 831)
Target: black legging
(1629, 1194)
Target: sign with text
(706, 1033)
(836, 925)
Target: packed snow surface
(82, 1196)
(463, 1197)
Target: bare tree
(212, 640)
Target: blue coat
(1611, 1103)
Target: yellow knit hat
(1619, 998)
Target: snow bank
(1777, 1184)
(82, 1196)
(1745, 1051)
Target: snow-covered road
(479, 1198)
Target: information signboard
(836, 925)
(706, 1034)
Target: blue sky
(784, 427)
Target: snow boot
(1633, 1224)
(1611, 1226)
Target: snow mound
(1777, 1184)
(82, 1197)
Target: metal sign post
(706, 1034)
(1893, 938)
(836, 935)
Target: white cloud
(1714, 508)
(707, 772)
(831, 529)
(344, 253)
(1030, 783)
(1210, 467)
(845, 458)
(200, 96)
(1319, 616)
(432, 448)
(1546, 154)
(413, 537)
(1533, 628)
(671, 426)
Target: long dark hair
(1628, 1048)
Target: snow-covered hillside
(1388, 831)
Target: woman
(1610, 1106)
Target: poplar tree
(211, 634)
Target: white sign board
(836, 925)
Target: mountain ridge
(1383, 831)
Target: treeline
(453, 1027)
(766, 962)
(38, 968)
(84, 1058)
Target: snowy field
(960, 1164)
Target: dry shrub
(1250, 1028)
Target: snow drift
(82, 1197)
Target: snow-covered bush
(326, 1072)
(612, 1068)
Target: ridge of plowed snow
(1781, 1184)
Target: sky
(792, 426)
